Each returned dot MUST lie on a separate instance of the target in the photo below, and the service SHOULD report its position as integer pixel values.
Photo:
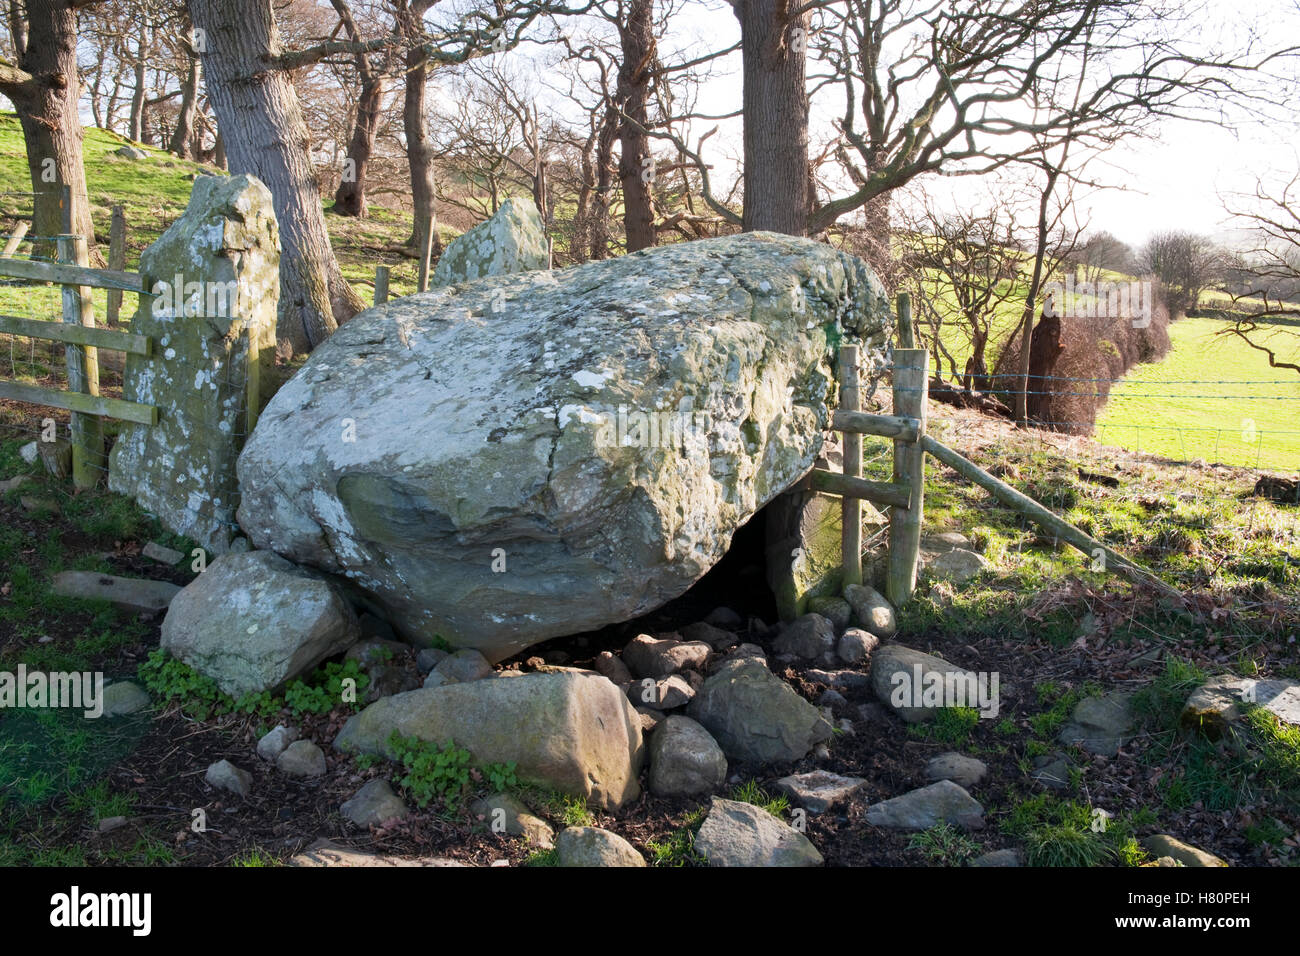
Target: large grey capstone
(569, 730)
(512, 240)
(217, 285)
(253, 622)
(755, 716)
(525, 456)
(739, 834)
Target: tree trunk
(775, 105)
(1035, 283)
(184, 142)
(635, 171)
(264, 134)
(46, 101)
(137, 133)
(599, 232)
(350, 197)
(419, 154)
(1044, 349)
(219, 152)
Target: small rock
(1100, 725)
(109, 824)
(373, 804)
(327, 853)
(1163, 845)
(740, 653)
(957, 565)
(997, 858)
(962, 770)
(1052, 771)
(943, 541)
(822, 752)
(685, 760)
(463, 666)
(29, 453)
(504, 814)
(819, 790)
(871, 610)
(710, 634)
(274, 742)
(942, 802)
(592, 846)
(302, 758)
(13, 484)
(224, 775)
(739, 834)
(134, 595)
(674, 691)
(429, 658)
(613, 668)
(832, 698)
(42, 506)
(130, 152)
(124, 697)
(650, 719)
(755, 716)
(807, 637)
(650, 657)
(1214, 707)
(856, 645)
(901, 677)
(163, 555)
(723, 617)
(835, 609)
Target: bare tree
(1185, 263)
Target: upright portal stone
(215, 275)
(547, 453)
(513, 240)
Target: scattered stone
(964, 771)
(56, 456)
(835, 609)
(871, 610)
(649, 657)
(1214, 707)
(842, 680)
(592, 846)
(900, 676)
(512, 240)
(666, 694)
(252, 622)
(1100, 725)
(162, 554)
(547, 352)
(650, 719)
(957, 565)
(684, 759)
(740, 834)
(809, 637)
(224, 775)
(755, 716)
(464, 666)
(521, 720)
(612, 668)
(710, 634)
(1052, 771)
(1163, 845)
(832, 698)
(302, 758)
(109, 824)
(14, 483)
(274, 742)
(942, 802)
(856, 645)
(819, 790)
(133, 595)
(328, 853)
(742, 652)
(38, 506)
(429, 658)
(944, 541)
(723, 617)
(180, 468)
(30, 453)
(504, 814)
(373, 804)
(997, 858)
(124, 697)
(130, 152)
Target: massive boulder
(213, 311)
(513, 240)
(571, 731)
(540, 454)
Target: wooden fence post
(381, 285)
(906, 340)
(116, 260)
(88, 459)
(911, 387)
(851, 513)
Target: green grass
(944, 845)
(1251, 424)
